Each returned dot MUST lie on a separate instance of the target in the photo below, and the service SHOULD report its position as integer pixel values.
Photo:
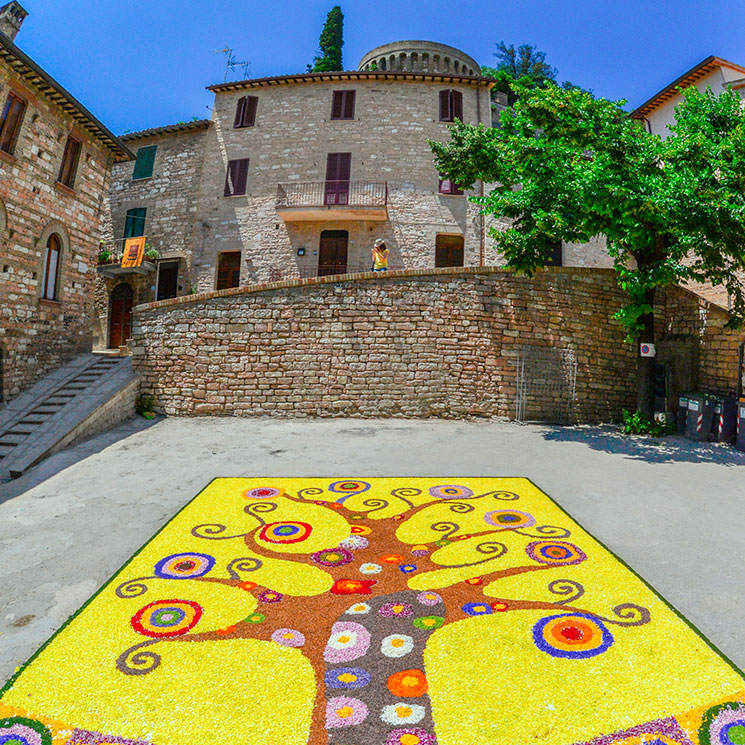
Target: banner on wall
(134, 251)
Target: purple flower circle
(451, 491)
(425, 738)
(396, 610)
(333, 557)
(288, 638)
(269, 596)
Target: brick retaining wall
(414, 344)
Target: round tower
(420, 56)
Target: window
(342, 105)
(245, 112)
(145, 162)
(134, 224)
(451, 106)
(236, 177)
(229, 270)
(338, 170)
(52, 252)
(449, 250)
(167, 286)
(70, 159)
(555, 255)
(448, 187)
(11, 122)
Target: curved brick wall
(412, 344)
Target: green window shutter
(145, 162)
(134, 225)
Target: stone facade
(38, 334)
(438, 343)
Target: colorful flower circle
(408, 568)
(358, 609)
(396, 610)
(403, 713)
(269, 596)
(347, 642)
(396, 645)
(428, 623)
(370, 568)
(285, 532)
(477, 609)
(723, 724)
(264, 492)
(347, 677)
(429, 598)
(361, 530)
(451, 491)
(333, 557)
(392, 558)
(354, 542)
(574, 636)
(343, 711)
(184, 566)
(648, 738)
(24, 731)
(559, 553)
(419, 550)
(349, 487)
(475, 581)
(500, 607)
(166, 618)
(353, 586)
(255, 618)
(509, 519)
(288, 638)
(410, 736)
(407, 683)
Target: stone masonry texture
(442, 343)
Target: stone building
(55, 161)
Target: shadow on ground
(71, 455)
(670, 449)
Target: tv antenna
(232, 64)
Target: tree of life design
(411, 561)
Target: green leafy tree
(523, 65)
(568, 166)
(331, 42)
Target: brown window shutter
(239, 110)
(337, 104)
(242, 179)
(230, 178)
(349, 104)
(236, 178)
(70, 162)
(456, 106)
(445, 106)
(249, 115)
(11, 122)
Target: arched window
(52, 256)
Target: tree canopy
(330, 43)
(524, 65)
(568, 166)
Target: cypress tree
(330, 42)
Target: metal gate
(546, 385)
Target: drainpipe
(482, 223)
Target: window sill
(50, 303)
(244, 126)
(143, 178)
(233, 196)
(444, 194)
(7, 157)
(65, 189)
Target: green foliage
(151, 253)
(144, 405)
(104, 255)
(330, 42)
(524, 61)
(568, 166)
(638, 424)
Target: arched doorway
(120, 316)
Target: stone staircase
(80, 399)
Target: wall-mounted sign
(647, 350)
(134, 250)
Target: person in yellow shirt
(380, 256)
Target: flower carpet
(383, 611)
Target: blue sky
(143, 63)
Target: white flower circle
(358, 609)
(370, 568)
(403, 713)
(396, 645)
(355, 542)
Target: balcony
(333, 200)
(110, 260)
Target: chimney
(11, 18)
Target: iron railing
(111, 252)
(331, 193)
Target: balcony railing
(110, 258)
(333, 194)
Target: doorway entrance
(338, 171)
(332, 253)
(167, 280)
(448, 250)
(120, 317)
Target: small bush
(638, 424)
(144, 405)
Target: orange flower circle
(247, 586)
(500, 607)
(361, 530)
(392, 558)
(408, 683)
(475, 581)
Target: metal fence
(324, 193)
(546, 385)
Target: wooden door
(167, 280)
(120, 318)
(449, 250)
(332, 254)
(338, 171)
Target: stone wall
(38, 335)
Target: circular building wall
(420, 56)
